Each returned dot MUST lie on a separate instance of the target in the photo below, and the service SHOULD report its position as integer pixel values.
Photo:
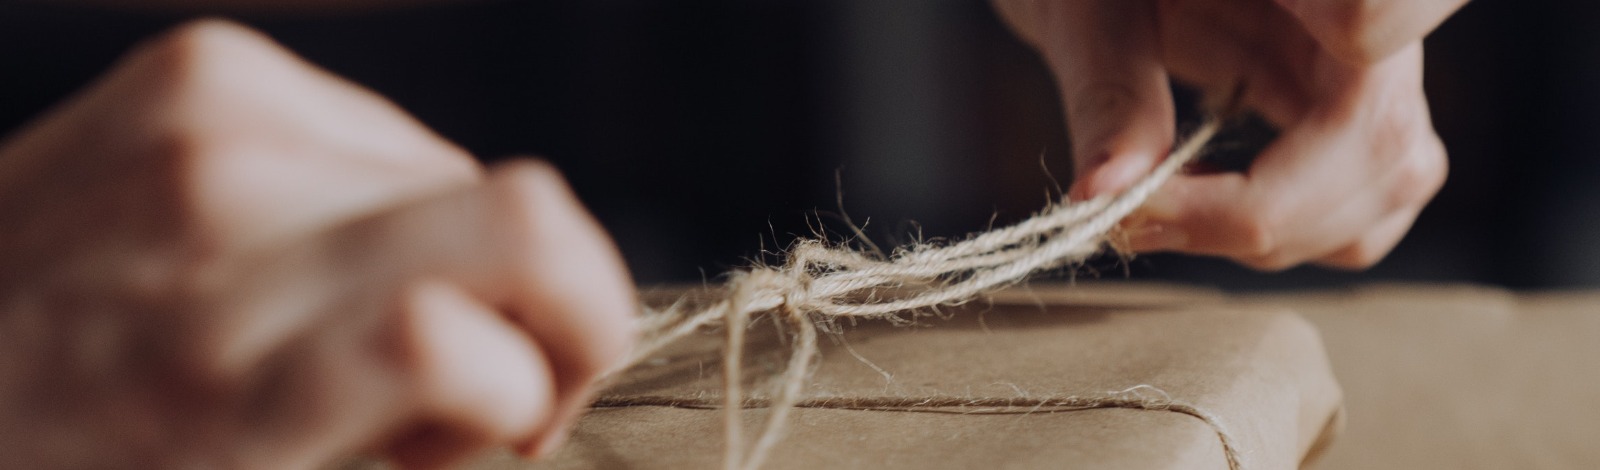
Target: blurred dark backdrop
(702, 132)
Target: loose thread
(819, 283)
(732, 376)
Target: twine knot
(820, 282)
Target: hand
(1356, 159)
(219, 256)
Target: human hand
(219, 256)
(1356, 158)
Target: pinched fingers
(1339, 188)
(438, 377)
(558, 276)
(275, 267)
(512, 303)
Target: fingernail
(1105, 176)
(1158, 237)
(1082, 172)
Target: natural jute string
(820, 282)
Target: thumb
(1106, 59)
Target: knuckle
(525, 194)
(183, 53)
(207, 69)
(1395, 129)
(1422, 174)
(1403, 143)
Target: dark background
(702, 132)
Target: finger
(323, 396)
(519, 246)
(520, 241)
(248, 120)
(523, 246)
(1366, 152)
(1298, 201)
(448, 378)
(560, 277)
(1374, 245)
(1272, 221)
(1365, 31)
(1224, 48)
(479, 380)
(1106, 61)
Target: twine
(820, 283)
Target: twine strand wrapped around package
(820, 283)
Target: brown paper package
(1169, 374)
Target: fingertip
(563, 278)
(1114, 90)
(475, 369)
(1197, 214)
(533, 179)
(1106, 175)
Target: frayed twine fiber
(820, 283)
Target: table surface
(1434, 376)
(1460, 377)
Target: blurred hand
(1357, 157)
(219, 256)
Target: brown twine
(819, 283)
